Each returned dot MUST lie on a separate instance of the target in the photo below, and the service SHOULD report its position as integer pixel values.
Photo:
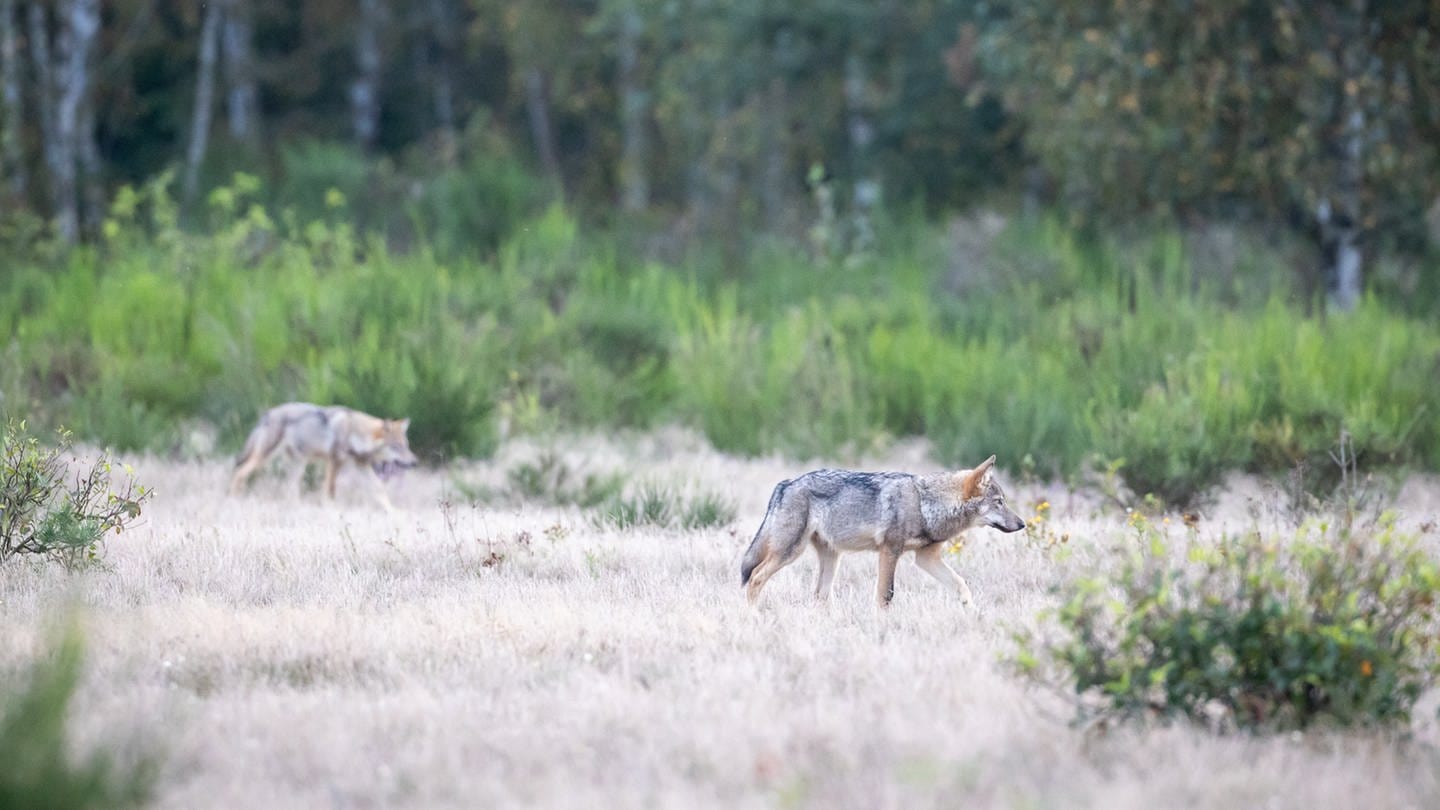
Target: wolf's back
(759, 545)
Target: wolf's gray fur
(887, 512)
(333, 434)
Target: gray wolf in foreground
(335, 435)
(888, 512)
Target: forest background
(1090, 236)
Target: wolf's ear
(970, 487)
(403, 424)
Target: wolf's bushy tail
(760, 545)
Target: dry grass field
(286, 652)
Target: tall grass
(1063, 348)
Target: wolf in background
(334, 434)
(887, 512)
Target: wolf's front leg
(380, 494)
(885, 588)
(332, 470)
(829, 559)
(931, 562)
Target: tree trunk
(1341, 215)
(866, 194)
(693, 130)
(242, 100)
(92, 170)
(724, 186)
(12, 151)
(443, 26)
(82, 25)
(204, 100)
(43, 67)
(634, 108)
(537, 104)
(365, 90)
(776, 117)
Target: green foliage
(1230, 108)
(1334, 627)
(1183, 435)
(651, 506)
(707, 510)
(550, 480)
(477, 205)
(43, 515)
(1052, 344)
(41, 769)
(664, 507)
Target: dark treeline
(710, 117)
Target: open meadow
(476, 650)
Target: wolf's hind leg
(776, 557)
(931, 562)
(759, 577)
(248, 465)
(242, 474)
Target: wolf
(888, 512)
(333, 434)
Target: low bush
(548, 479)
(665, 508)
(44, 516)
(1335, 627)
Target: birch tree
(445, 36)
(365, 88)
(204, 108)
(12, 110)
(1321, 112)
(80, 26)
(634, 111)
(242, 95)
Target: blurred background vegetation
(1123, 235)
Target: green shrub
(706, 511)
(43, 515)
(41, 769)
(550, 480)
(798, 383)
(1041, 341)
(313, 170)
(1333, 627)
(665, 508)
(1183, 436)
(651, 506)
(123, 422)
(476, 207)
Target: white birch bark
(242, 97)
(365, 89)
(77, 40)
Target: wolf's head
(978, 487)
(393, 452)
